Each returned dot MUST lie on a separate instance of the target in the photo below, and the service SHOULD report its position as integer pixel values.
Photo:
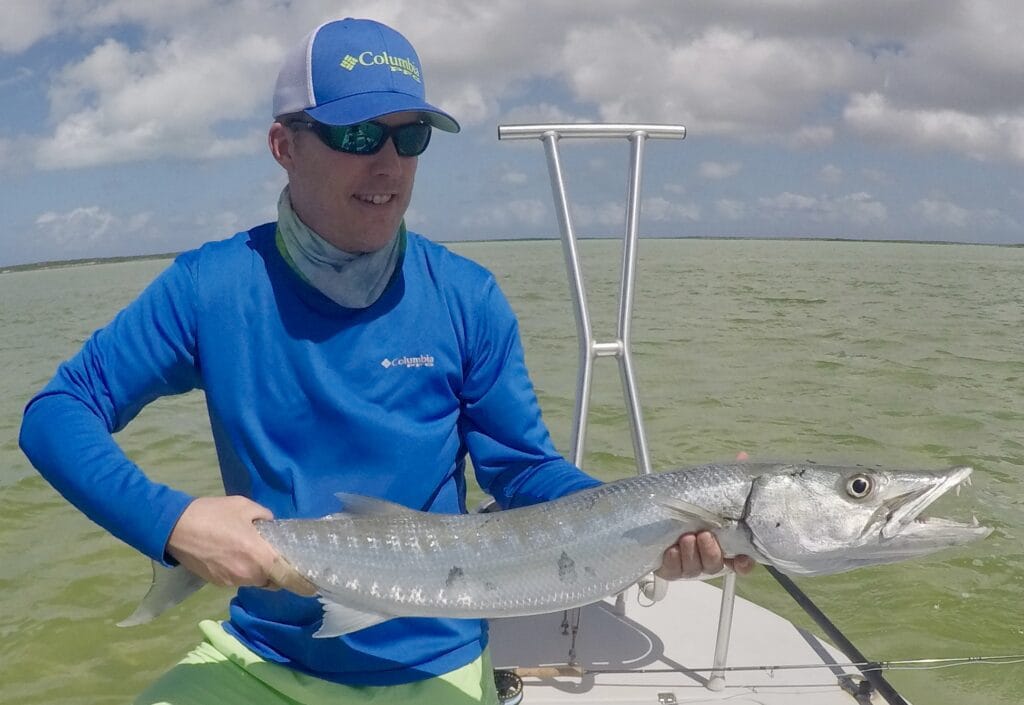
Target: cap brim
(367, 106)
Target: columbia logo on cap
(368, 58)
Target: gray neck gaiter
(349, 280)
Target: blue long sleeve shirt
(307, 399)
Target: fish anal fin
(357, 504)
(340, 619)
(684, 511)
(169, 587)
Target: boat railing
(620, 348)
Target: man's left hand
(699, 554)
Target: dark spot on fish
(566, 568)
(490, 587)
(454, 575)
(778, 524)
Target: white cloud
(608, 216)
(84, 228)
(810, 136)
(980, 137)
(117, 105)
(831, 174)
(731, 209)
(507, 216)
(662, 210)
(878, 176)
(719, 170)
(25, 22)
(966, 57)
(540, 113)
(855, 208)
(732, 81)
(947, 214)
(514, 178)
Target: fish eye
(859, 486)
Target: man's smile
(377, 199)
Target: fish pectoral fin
(355, 504)
(169, 587)
(340, 619)
(687, 512)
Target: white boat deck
(660, 644)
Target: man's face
(355, 202)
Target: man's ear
(281, 142)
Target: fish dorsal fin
(339, 619)
(357, 504)
(686, 512)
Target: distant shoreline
(64, 263)
(60, 264)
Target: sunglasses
(369, 137)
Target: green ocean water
(899, 354)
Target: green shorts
(222, 671)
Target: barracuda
(375, 560)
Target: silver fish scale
(550, 556)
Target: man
(338, 353)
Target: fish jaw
(906, 534)
(905, 510)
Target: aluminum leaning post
(620, 348)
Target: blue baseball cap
(350, 71)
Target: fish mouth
(904, 518)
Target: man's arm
(149, 350)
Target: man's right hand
(215, 538)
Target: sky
(137, 127)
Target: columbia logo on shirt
(420, 361)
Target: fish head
(815, 520)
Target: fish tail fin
(341, 619)
(169, 587)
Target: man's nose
(387, 161)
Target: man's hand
(215, 539)
(697, 554)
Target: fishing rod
(873, 677)
(920, 664)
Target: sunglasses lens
(364, 138)
(412, 139)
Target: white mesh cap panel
(294, 90)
